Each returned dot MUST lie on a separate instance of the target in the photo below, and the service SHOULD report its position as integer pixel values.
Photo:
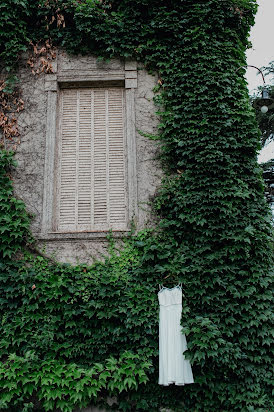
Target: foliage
(13, 30)
(57, 385)
(214, 233)
(266, 120)
(268, 175)
(64, 322)
(14, 220)
(10, 104)
(266, 126)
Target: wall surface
(31, 177)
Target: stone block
(130, 65)
(131, 83)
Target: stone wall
(36, 125)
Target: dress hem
(175, 383)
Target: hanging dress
(173, 367)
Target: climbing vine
(11, 103)
(73, 335)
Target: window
(90, 172)
(91, 175)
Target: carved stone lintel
(51, 86)
(54, 64)
(50, 77)
(131, 74)
(131, 65)
(131, 83)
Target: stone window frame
(77, 78)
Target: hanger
(161, 287)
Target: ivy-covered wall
(72, 335)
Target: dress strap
(160, 286)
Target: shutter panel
(117, 201)
(92, 193)
(68, 161)
(100, 159)
(84, 161)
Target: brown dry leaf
(49, 68)
(30, 62)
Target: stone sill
(63, 236)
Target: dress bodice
(171, 296)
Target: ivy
(13, 30)
(73, 335)
(14, 220)
(49, 380)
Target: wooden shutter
(117, 212)
(100, 159)
(91, 190)
(68, 161)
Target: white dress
(173, 367)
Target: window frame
(74, 79)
